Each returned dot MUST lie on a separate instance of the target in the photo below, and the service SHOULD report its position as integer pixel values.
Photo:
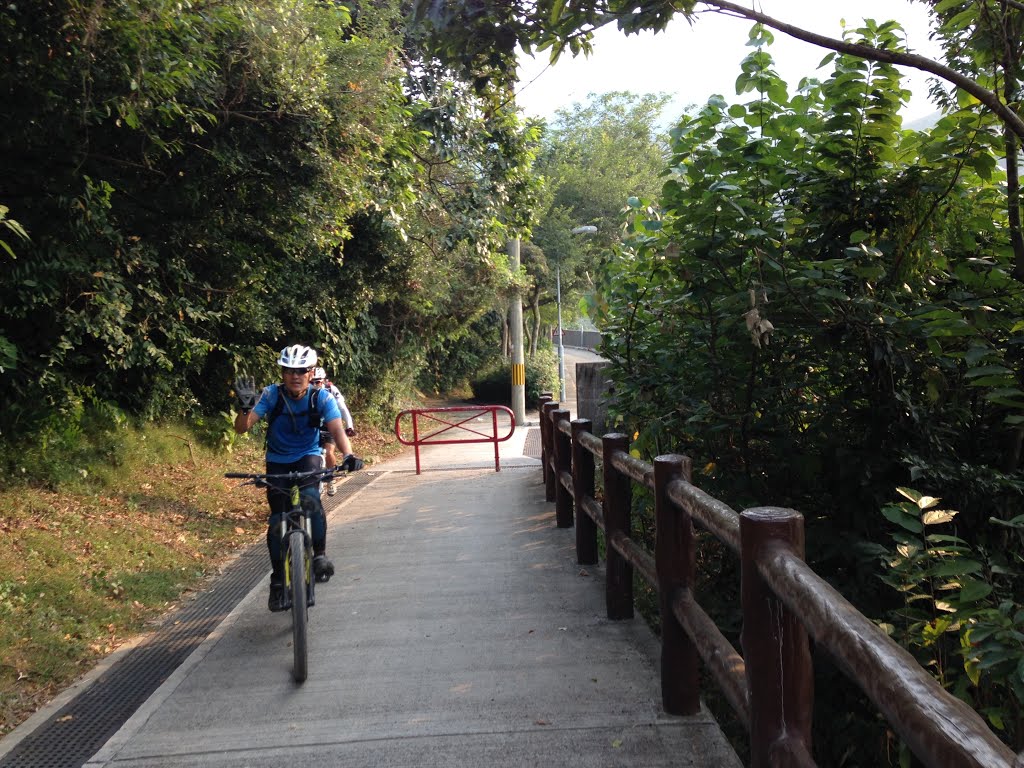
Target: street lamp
(585, 229)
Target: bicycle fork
(285, 531)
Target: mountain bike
(297, 544)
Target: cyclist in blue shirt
(294, 411)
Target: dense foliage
(820, 308)
(189, 186)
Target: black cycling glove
(245, 393)
(351, 463)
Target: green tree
(206, 183)
(983, 42)
(593, 159)
(821, 307)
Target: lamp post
(585, 229)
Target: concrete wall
(593, 394)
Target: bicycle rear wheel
(299, 575)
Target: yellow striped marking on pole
(518, 374)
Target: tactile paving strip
(77, 730)
(532, 447)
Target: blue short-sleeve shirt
(290, 436)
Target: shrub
(451, 364)
(495, 385)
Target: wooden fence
(784, 603)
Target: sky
(693, 63)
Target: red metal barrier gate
(444, 427)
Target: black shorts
(326, 438)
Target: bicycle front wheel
(299, 576)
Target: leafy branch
(870, 53)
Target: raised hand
(245, 392)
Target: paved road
(458, 631)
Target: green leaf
(992, 381)
(557, 7)
(943, 538)
(976, 353)
(895, 514)
(972, 590)
(973, 670)
(987, 370)
(909, 493)
(957, 567)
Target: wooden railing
(784, 603)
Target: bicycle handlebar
(296, 476)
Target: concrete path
(458, 631)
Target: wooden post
(618, 500)
(563, 463)
(675, 558)
(780, 676)
(544, 399)
(583, 488)
(549, 450)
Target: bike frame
(296, 519)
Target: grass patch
(98, 559)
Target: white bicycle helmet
(319, 373)
(297, 356)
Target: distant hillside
(923, 123)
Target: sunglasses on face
(296, 371)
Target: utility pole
(516, 330)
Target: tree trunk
(535, 335)
(1013, 202)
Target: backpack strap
(313, 415)
(314, 412)
(275, 411)
(277, 407)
